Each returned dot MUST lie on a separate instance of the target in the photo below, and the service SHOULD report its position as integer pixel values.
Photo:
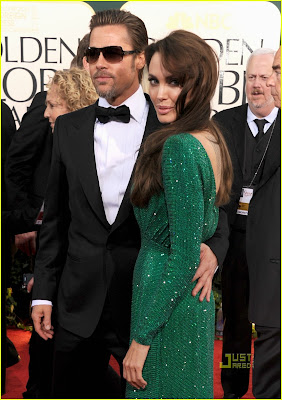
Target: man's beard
(108, 94)
(269, 101)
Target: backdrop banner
(38, 38)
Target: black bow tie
(121, 113)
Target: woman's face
(164, 90)
(55, 106)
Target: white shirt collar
(270, 117)
(136, 104)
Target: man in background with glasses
(90, 239)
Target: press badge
(246, 196)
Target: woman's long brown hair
(194, 64)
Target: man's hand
(30, 285)
(41, 316)
(26, 242)
(205, 273)
(133, 364)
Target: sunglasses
(112, 54)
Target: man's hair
(77, 61)
(134, 25)
(259, 52)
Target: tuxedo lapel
(82, 139)
(273, 155)
(152, 125)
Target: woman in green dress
(182, 175)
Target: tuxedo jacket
(263, 226)
(28, 163)
(8, 129)
(11, 222)
(81, 257)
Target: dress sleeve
(183, 164)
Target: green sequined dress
(179, 328)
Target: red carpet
(17, 375)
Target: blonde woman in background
(68, 91)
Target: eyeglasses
(112, 54)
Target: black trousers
(237, 332)
(40, 368)
(81, 365)
(267, 363)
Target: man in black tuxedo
(90, 239)
(251, 270)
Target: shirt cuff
(41, 302)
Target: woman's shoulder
(206, 139)
(185, 149)
(192, 141)
(198, 147)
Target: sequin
(178, 327)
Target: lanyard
(264, 154)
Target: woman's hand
(133, 364)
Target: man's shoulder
(38, 100)
(79, 116)
(230, 112)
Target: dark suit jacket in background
(28, 163)
(8, 129)
(263, 222)
(94, 257)
(27, 169)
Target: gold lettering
(181, 20)
(221, 365)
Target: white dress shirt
(253, 126)
(116, 146)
